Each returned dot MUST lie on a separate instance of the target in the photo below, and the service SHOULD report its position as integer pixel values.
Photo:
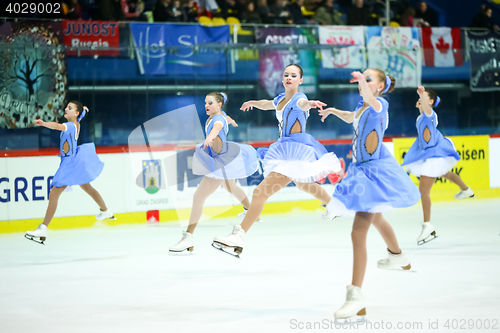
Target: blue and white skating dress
(79, 164)
(233, 161)
(375, 182)
(297, 156)
(431, 154)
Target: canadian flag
(442, 47)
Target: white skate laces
(428, 233)
(353, 308)
(468, 193)
(394, 261)
(185, 244)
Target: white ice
(292, 274)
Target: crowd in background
(322, 12)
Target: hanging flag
(442, 47)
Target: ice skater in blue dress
(375, 183)
(296, 156)
(79, 166)
(220, 162)
(432, 155)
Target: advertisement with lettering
(180, 49)
(274, 58)
(484, 52)
(91, 34)
(473, 167)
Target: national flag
(442, 47)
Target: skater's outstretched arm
(231, 121)
(264, 104)
(425, 102)
(306, 105)
(213, 134)
(51, 125)
(346, 116)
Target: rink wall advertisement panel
(125, 185)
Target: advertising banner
(180, 49)
(100, 34)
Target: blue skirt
(431, 162)
(375, 186)
(235, 161)
(80, 168)
(299, 157)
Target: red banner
(98, 34)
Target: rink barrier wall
(25, 179)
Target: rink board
(134, 183)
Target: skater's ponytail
(389, 81)
(432, 95)
(220, 97)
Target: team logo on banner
(151, 176)
(396, 51)
(32, 74)
(484, 51)
(348, 47)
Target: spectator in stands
(176, 12)
(327, 15)
(231, 8)
(191, 11)
(428, 16)
(295, 9)
(111, 10)
(265, 13)
(133, 9)
(250, 15)
(483, 19)
(281, 13)
(160, 11)
(406, 19)
(72, 10)
(359, 14)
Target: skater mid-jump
(79, 166)
(432, 155)
(375, 183)
(296, 156)
(220, 162)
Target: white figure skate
(428, 233)
(234, 241)
(394, 261)
(40, 233)
(185, 245)
(105, 215)
(468, 193)
(353, 308)
(328, 215)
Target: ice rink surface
(291, 277)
